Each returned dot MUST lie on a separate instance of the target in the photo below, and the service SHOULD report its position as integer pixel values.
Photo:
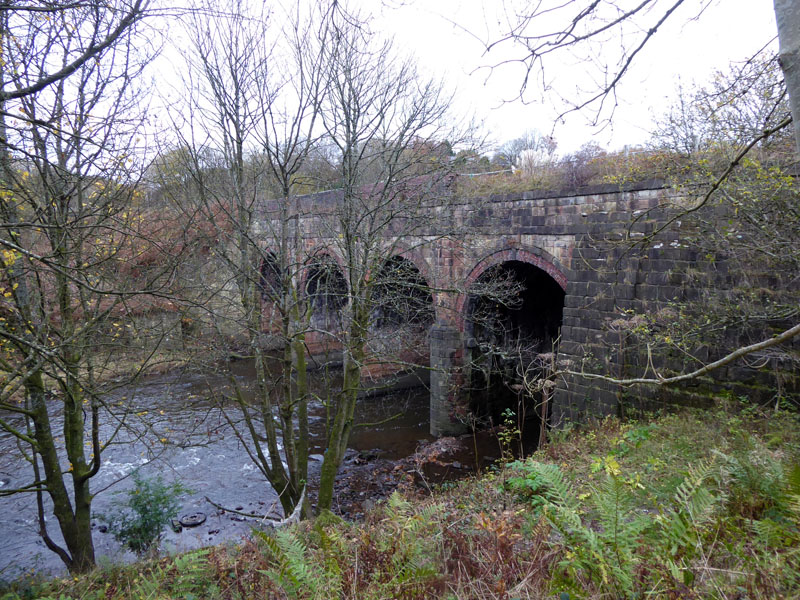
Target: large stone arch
(456, 351)
(534, 256)
(512, 320)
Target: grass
(691, 504)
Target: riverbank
(696, 504)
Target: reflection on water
(181, 434)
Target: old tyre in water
(193, 519)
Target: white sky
(729, 30)
(445, 37)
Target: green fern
(411, 541)
(681, 529)
(793, 480)
(332, 545)
(608, 549)
(296, 573)
(192, 576)
(397, 506)
(148, 585)
(784, 530)
(621, 534)
(293, 571)
(694, 505)
(606, 554)
(771, 533)
(756, 480)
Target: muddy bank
(367, 478)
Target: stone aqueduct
(576, 287)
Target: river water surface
(182, 435)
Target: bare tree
(716, 119)
(389, 125)
(254, 108)
(748, 226)
(529, 152)
(578, 28)
(70, 228)
(379, 131)
(104, 25)
(605, 38)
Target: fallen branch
(238, 512)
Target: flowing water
(181, 434)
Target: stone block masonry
(585, 243)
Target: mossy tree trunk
(66, 202)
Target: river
(188, 439)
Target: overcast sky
(448, 37)
(445, 37)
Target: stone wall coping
(573, 193)
(331, 197)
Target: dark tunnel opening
(401, 296)
(326, 290)
(271, 281)
(514, 317)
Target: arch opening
(326, 291)
(401, 296)
(271, 281)
(401, 316)
(513, 319)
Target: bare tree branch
(92, 51)
(725, 360)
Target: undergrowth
(696, 504)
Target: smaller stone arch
(325, 287)
(271, 282)
(417, 258)
(402, 295)
(270, 279)
(319, 255)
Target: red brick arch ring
(537, 258)
(413, 255)
(317, 255)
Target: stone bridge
(577, 282)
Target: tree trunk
(339, 434)
(75, 524)
(787, 15)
